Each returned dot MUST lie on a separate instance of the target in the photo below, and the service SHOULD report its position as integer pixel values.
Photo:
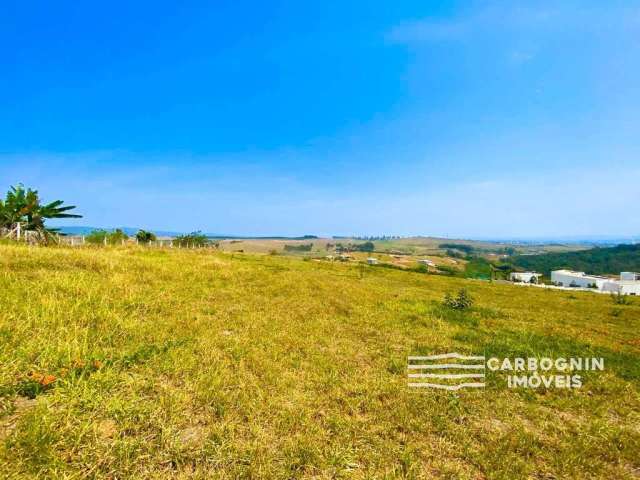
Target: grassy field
(141, 363)
(410, 245)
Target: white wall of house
(629, 288)
(524, 276)
(629, 276)
(568, 278)
(625, 286)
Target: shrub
(96, 236)
(366, 247)
(462, 301)
(116, 237)
(193, 239)
(145, 237)
(620, 299)
(298, 248)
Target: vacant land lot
(134, 363)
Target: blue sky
(460, 119)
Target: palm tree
(22, 209)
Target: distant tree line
(355, 247)
(468, 249)
(105, 237)
(378, 238)
(597, 261)
(298, 248)
(193, 239)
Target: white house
(623, 287)
(629, 288)
(629, 283)
(569, 278)
(372, 261)
(427, 262)
(525, 277)
(629, 276)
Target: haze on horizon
(461, 119)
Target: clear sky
(467, 119)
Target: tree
(366, 247)
(103, 237)
(117, 237)
(97, 237)
(193, 239)
(145, 237)
(22, 210)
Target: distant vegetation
(101, 237)
(193, 239)
(468, 249)
(144, 236)
(355, 247)
(298, 248)
(596, 261)
(365, 247)
(478, 267)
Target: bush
(145, 237)
(463, 301)
(96, 237)
(366, 247)
(116, 237)
(193, 239)
(298, 248)
(620, 299)
(100, 237)
(468, 249)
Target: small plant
(620, 299)
(462, 301)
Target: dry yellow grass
(201, 364)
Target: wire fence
(31, 237)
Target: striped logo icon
(448, 371)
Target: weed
(620, 299)
(462, 301)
